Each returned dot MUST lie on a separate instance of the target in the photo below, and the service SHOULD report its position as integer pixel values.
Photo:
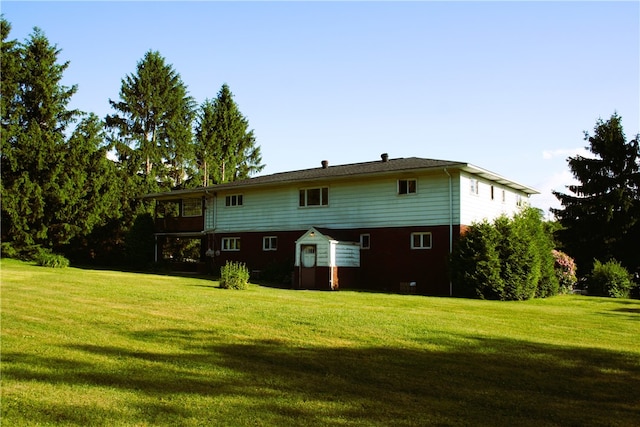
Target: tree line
(71, 180)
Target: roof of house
(380, 167)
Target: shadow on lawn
(481, 382)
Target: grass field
(87, 347)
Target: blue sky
(507, 86)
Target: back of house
(384, 225)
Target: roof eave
(483, 173)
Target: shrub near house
(508, 259)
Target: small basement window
(269, 243)
(365, 241)
(230, 243)
(192, 207)
(407, 186)
(421, 240)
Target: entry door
(308, 266)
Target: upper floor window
(314, 197)
(230, 243)
(407, 186)
(421, 240)
(233, 200)
(269, 243)
(192, 207)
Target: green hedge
(509, 259)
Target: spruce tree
(33, 147)
(601, 218)
(226, 148)
(55, 188)
(153, 117)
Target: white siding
(476, 207)
(347, 255)
(352, 204)
(323, 250)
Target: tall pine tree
(601, 218)
(152, 124)
(36, 119)
(54, 188)
(226, 148)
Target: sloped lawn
(86, 347)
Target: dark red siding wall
(391, 261)
(257, 260)
(387, 263)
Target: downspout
(450, 225)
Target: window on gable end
(473, 186)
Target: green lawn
(87, 347)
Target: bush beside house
(508, 259)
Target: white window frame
(192, 207)
(303, 197)
(270, 243)
(367, 237)
(233, 200)
(421, 244)
(407, 186)
(474, 186)
(230, 244)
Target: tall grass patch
(234, 275)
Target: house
(388, 225)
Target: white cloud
(566, 152)
(558, 182)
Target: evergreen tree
(226, 148)
(88, 192)
(153, 117)
(601, 218)
(55, 189)
(9, 87)
(206, 149)
(33, 147)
